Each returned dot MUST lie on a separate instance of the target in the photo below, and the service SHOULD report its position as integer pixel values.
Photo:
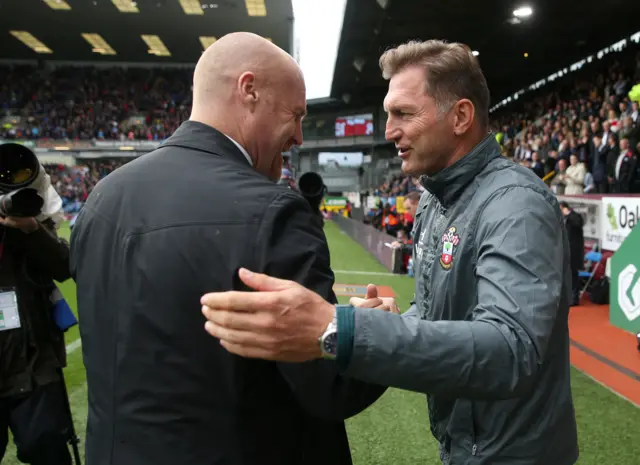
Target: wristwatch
(329, 340)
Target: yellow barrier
(549, 176)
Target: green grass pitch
(396, 429)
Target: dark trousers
(38, 421)
(575, 287)
(602, 187)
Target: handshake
(280, 320)
(371, 300)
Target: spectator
(390, 220)
(589, 184)
(411, 201)
(613, 154)
(634, 112)
(574, 225)
(574, 176)
(625, 168)
(536, 164)
(599, 164)
(559, 183)
(551, 162)
(629, 131)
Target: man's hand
(371, 300)
(282, 321)
(26, 225)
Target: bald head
(227, 59)
(253, 92)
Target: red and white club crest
(449, 242)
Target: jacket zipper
(474, 447)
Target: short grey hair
(452, 73)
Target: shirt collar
(242, 149)
(200, 136)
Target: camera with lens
(19, 170)
(312, 189)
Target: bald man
(176, 223)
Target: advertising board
(374, 241)
(589, 210)
(618, 216)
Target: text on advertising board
(619, 217)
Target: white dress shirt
(242, 149)
(619, 161)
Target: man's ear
(247, 88)
(463, 116)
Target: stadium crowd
(93, 103)
(582, 137)
(74, 183)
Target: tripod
(70, 432)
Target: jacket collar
(448, 184)
(199, 136)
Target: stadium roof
(557, 34)
(127, 28)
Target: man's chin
(409, 168)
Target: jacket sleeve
(292, 245)
(575, 177)
(497, 352)
(412, 311)
(48, 252)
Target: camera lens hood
(19, 167)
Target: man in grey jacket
(487, 337)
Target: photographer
(32, 350)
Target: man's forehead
(404, 87)
(294, 95)
(300, 106)
(399, 99)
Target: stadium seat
(593, 260)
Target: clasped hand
(371, 300)
(26, 225)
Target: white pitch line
(372, 273)
(73, 346)
(606, 387)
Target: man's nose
(391, 132)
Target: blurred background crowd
(581, 137)
(95, 103)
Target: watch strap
(345, 315)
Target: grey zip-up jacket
(487, 337)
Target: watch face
(330, 344)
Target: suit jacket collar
(198, 136)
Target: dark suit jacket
(625, 180)
(611, 157)
(574, 224)
(152, 238)
(599, 163)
